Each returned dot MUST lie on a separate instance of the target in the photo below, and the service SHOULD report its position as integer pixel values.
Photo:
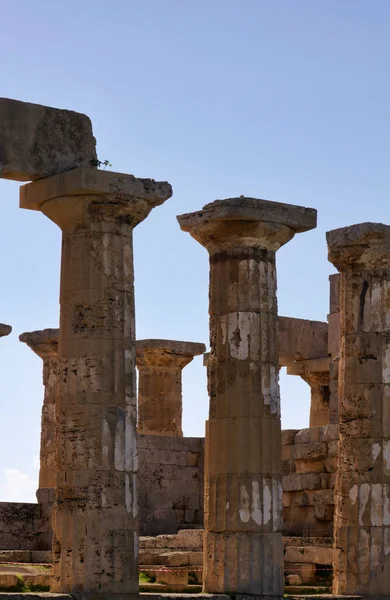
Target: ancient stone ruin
(250, 510)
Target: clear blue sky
(280, 99)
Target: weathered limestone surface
(334, 345)
(171, 483)
(18, 526)
(243, 496)
(160, 364)
(309, 463)
(5, 329)
(300, 339)
(45, 344)
(38, 141)
(362, 518)
(95, 516)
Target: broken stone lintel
(39, 141)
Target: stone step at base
(185, 575)
(153, 595)
(34, 596)
(26, 556)
(170, 558)
(304, 590)
(159, 588)
(24, 580)
(185, 540)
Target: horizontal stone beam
(39, 141)
(315, 365)
(300, 339)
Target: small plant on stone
(95, 162)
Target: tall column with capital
(362, 493)
(95, 516)
(45, 344)
(243, 550)
(160, 364)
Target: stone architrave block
(310, 451)
(39, 141)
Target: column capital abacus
(362, 247)
(43, 342)
(89, 194)
(247, 222)
(166, 353)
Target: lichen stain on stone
(386, 364)
(386, 505)
(376, 505)
(376, 450)
(386, 457)
(364, 494)
(119, 441)
(244, 507)
(107, 255)
(222, 324)
(256, 514)
(239, 331)
(353, 492)
(267, 503)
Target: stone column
(160, 364)
(45, 344)
(95, 516)
(243, 550)
(362, 495)
(316, 374)
(5, 329)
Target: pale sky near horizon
(280, 99)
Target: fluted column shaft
(243, 550)
(95, 516)
(362, 492)
(243, 438)
(45, 344)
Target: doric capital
(166, 353)
(44, 343)
(244, 221)
(362, 247)
(88, 194)
(5, 329)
